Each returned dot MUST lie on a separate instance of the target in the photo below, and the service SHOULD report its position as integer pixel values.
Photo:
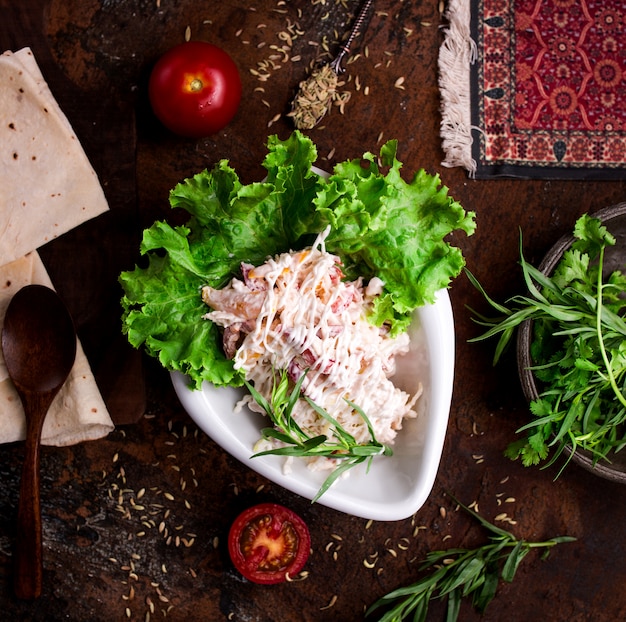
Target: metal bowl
(614, 218)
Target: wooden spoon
(39, 348)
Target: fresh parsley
(459, 573)
(295, 441)
(578, 349)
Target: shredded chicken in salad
(295, 312)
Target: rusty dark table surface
(135, 524)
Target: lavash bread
(47, 187)
(78, 412)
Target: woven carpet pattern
(549, 90)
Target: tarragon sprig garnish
(459, 573)
(578, 349)
(341, 446)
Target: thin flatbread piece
(47, 184)
(78, 412)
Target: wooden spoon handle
(29, 554)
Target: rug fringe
(457, 54)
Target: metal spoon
(357, 26)
(39, 348)
(316, 93)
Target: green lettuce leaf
(383, 226)
(380, 226)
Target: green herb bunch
(578, 350)
(295, 441)
(459, 573)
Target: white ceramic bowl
(395, 486)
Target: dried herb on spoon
(317, 93)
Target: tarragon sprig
(578, 348)
(459, 573)
(342, 446)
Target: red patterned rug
(544, 88)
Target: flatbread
(78, 413)
(47, 185)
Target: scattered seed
(332, 602)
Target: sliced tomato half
(269, 543)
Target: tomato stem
(195, 85)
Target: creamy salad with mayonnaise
(296, 312)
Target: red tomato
(195, 89)
(267, 542)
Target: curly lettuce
(380, 226)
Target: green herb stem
(460, 573)
(342, 447)
(605, 358)
(578, 348)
